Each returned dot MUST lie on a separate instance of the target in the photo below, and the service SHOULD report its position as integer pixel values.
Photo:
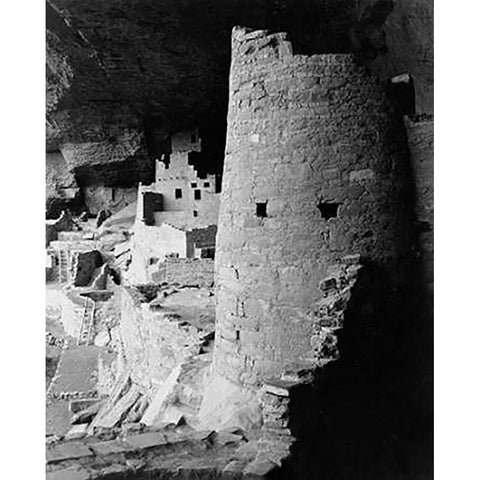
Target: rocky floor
(71, 369)
(166, 453)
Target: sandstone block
(67, 451)
(146, 440)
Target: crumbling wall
(315, 169)
(150, 245)
(185, 271)
(420, 140)
(200, 238)
(73, 306)
(84, 265)
(154, 342)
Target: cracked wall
(303, 132)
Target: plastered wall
(153, 242)
(179, 175)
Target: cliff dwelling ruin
(238, 286)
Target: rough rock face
(122, 75)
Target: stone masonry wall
(185, 271)
(153, 242)
(154, 342)
(315, 169)
(199, 238)
(179, 175)
(420, 140)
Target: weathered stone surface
(66, 451)
(260, 467)
(102, 338)
(146, 440)
(71, 473)
(109, 447)
(324, 177)
(76, 432)
(420, 139)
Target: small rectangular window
(197, 194)
(194, 185)
(328, 210)
(195, 213)
(178, 193)
(206, 184)
(262, 210)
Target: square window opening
(262, 210)
(194, 185)
(328, 209)
(206, 184)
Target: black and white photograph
(238, 237)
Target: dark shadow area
(328, 209)
(55, 206)
(369, 415)
(126, 173)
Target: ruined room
(239, 239)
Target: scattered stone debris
(186, 348)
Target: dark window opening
(197, 194)
(237, 334)
(113, 194)
(194, 185)
(152, 202)
(178, 193)
(208, 252)
(195, 213)
(193, 138)
(262, 210)
(328, 210)
(402, 94)
(206, 184)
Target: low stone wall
(72, 313)
(186, 271)
(154, 342)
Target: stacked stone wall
(185, 271)
(154, 343)
(153, 242)
(420, 140)
(180, 175)
(315, 169)
(200, 237)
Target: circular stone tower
(313, 172)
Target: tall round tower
(314, 171)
